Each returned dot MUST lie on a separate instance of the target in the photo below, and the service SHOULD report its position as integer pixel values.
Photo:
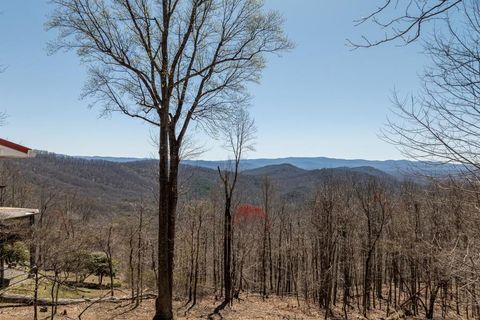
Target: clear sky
(321, 99)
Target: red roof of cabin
(14, 146)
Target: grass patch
(27, 286)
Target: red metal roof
(14, 146)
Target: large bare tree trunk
(163, 303)
(185, 62)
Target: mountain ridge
(397, 168)
(111, 186)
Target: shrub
(16, 252)
(99, 266)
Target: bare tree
(169, 63)
(404, 20)
(376, 209)
(239, 134)
(441, 122)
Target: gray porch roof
(7, 213)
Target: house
(10, 149)
(15, 223)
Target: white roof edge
(7, 213)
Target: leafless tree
(169, 63)
(239, 134)
(404, 20)
(441, 122)
(376, 208)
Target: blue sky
(321, 99)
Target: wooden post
(32, 248)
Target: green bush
(16, 252)
(79, 262)
(99, 266)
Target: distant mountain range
(110, 184)
(111, 159)
(393, 167)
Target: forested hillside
(350, 240)
(110, 185)
(289, 235)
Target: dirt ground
(250, 308)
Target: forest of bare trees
(359, 245)
(356, 245)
